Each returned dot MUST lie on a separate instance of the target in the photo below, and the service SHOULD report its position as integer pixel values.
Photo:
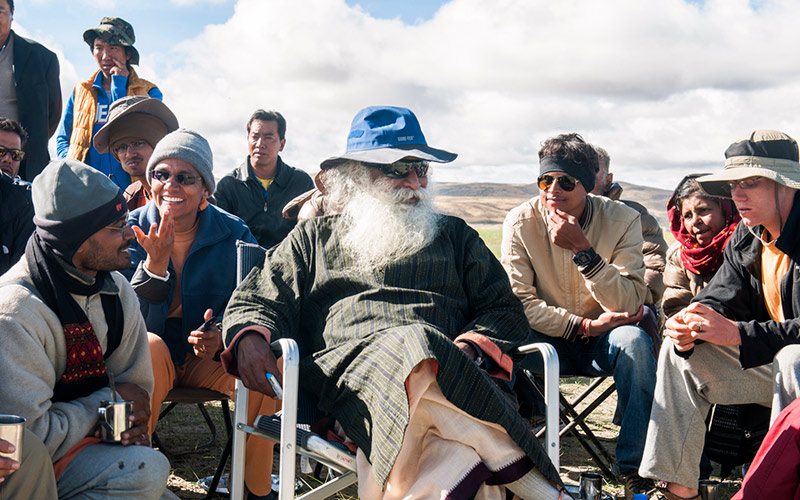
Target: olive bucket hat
(763, 153)
(115, 31)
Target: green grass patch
(492, 238)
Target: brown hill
(486, 204)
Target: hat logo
(405, 138)
(119, 207)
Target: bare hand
(206, 343)
(255, 359)
(7, 466)
(120, 68)
(566, 232)
(610, 320)
(158, 243)
(467, 349)
(698, 321)
(140, 416)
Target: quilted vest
(85, 106)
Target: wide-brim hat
(115, 31)
(136, 116)
(385, 135)
(763, 153)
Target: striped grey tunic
(361, 333)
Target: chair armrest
(551, 376)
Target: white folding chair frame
(288, 448)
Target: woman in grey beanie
(184, 272)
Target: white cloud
(192, 3)
(665, 86)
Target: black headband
(561, 164)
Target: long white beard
(377, 228)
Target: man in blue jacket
(263, 184)
(88, 106)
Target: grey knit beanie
(71, 202)
(189, 146)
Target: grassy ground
(183, 432)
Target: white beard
(377, 228)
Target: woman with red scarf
(702, 225)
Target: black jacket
(241, 194)
(39, 99)
(736, 292)
(16, 221)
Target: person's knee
(632, 340)
(147, 470)
(788, 358)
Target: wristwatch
(584, 257)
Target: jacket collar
(282, 172)
(211, 228)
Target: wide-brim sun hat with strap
(136, 116)
(385, 135)
(116, 31)
(763, 153)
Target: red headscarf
(698, 259)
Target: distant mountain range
(486, 204)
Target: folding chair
(198, 396)
(574, 421)
(293, 440)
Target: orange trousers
(209, 374)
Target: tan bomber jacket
(556, 294)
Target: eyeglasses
(16, 154)
(120, 225)
(132, 146)
(565, 182)
(748, 183)
(401, 169)
(186, 179)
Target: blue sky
(663, 86)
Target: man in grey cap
(733, 343)
(402, 309)
(135, 125)
(69, 321)
(88, 106)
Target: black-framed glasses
(16, 154)
(401, 169)
(131, 146)
(186, 179)
(565, 182)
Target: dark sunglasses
(16, 154)
(565, 182)
(401, 169)
(185, 179)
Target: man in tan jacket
(575, 261)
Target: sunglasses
(186, 179)
(565, 182)
(748, 183)
(16, 154)
(401, 169)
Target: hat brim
(92, 33)
(387, 156)
(785, 172)
(152, 107)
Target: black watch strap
(584, 257)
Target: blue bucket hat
(385, 135)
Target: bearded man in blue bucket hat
(405, 323)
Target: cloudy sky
(663, 85)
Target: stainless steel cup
(114, 419)
(709, 489)
(591, 486)
(11, 431)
